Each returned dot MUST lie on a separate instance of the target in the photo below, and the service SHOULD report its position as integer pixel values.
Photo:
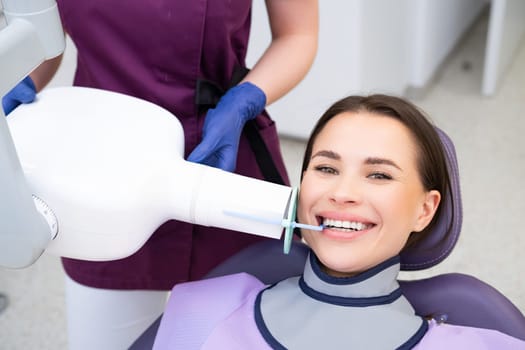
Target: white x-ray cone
(110, 167)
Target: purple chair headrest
(438, 243)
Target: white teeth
(348, 225)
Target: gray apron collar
(315, 310)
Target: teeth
(347, 225)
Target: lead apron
(318, 311)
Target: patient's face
(363, 184)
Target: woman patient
(374, 175)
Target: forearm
(43, 74)
(294, 25)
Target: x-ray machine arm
(33, 34)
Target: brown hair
(431, 161)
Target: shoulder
(445, 336)
(194, 309)
(213, 298)
(236, 285)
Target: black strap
(262, 154)
(208, 94)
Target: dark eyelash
(325, 169)
(380, 176)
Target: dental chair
(453, 298)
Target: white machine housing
(110, 168)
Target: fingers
(200, 153)
(8, 104)
(222, 157)
(226, 161)
(25, 94)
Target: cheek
(306, 235)
(302, 208)
(394, 199)
(401, 209)
(308, 197)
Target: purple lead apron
(158, 50)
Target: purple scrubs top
(157, 50)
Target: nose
(347, 190)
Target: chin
(339, 264)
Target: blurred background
(462, 61)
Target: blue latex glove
(23, 92)
(223, 126)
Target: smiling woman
(376, 176)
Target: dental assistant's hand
(223, 126)
(23, 92)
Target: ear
(428, 209)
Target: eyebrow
(327, 154)
(376, 160)
(369, 160)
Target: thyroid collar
(318, 311)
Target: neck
(379, 281)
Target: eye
(379, 176)
(326, 169)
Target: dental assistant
(188, 57)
